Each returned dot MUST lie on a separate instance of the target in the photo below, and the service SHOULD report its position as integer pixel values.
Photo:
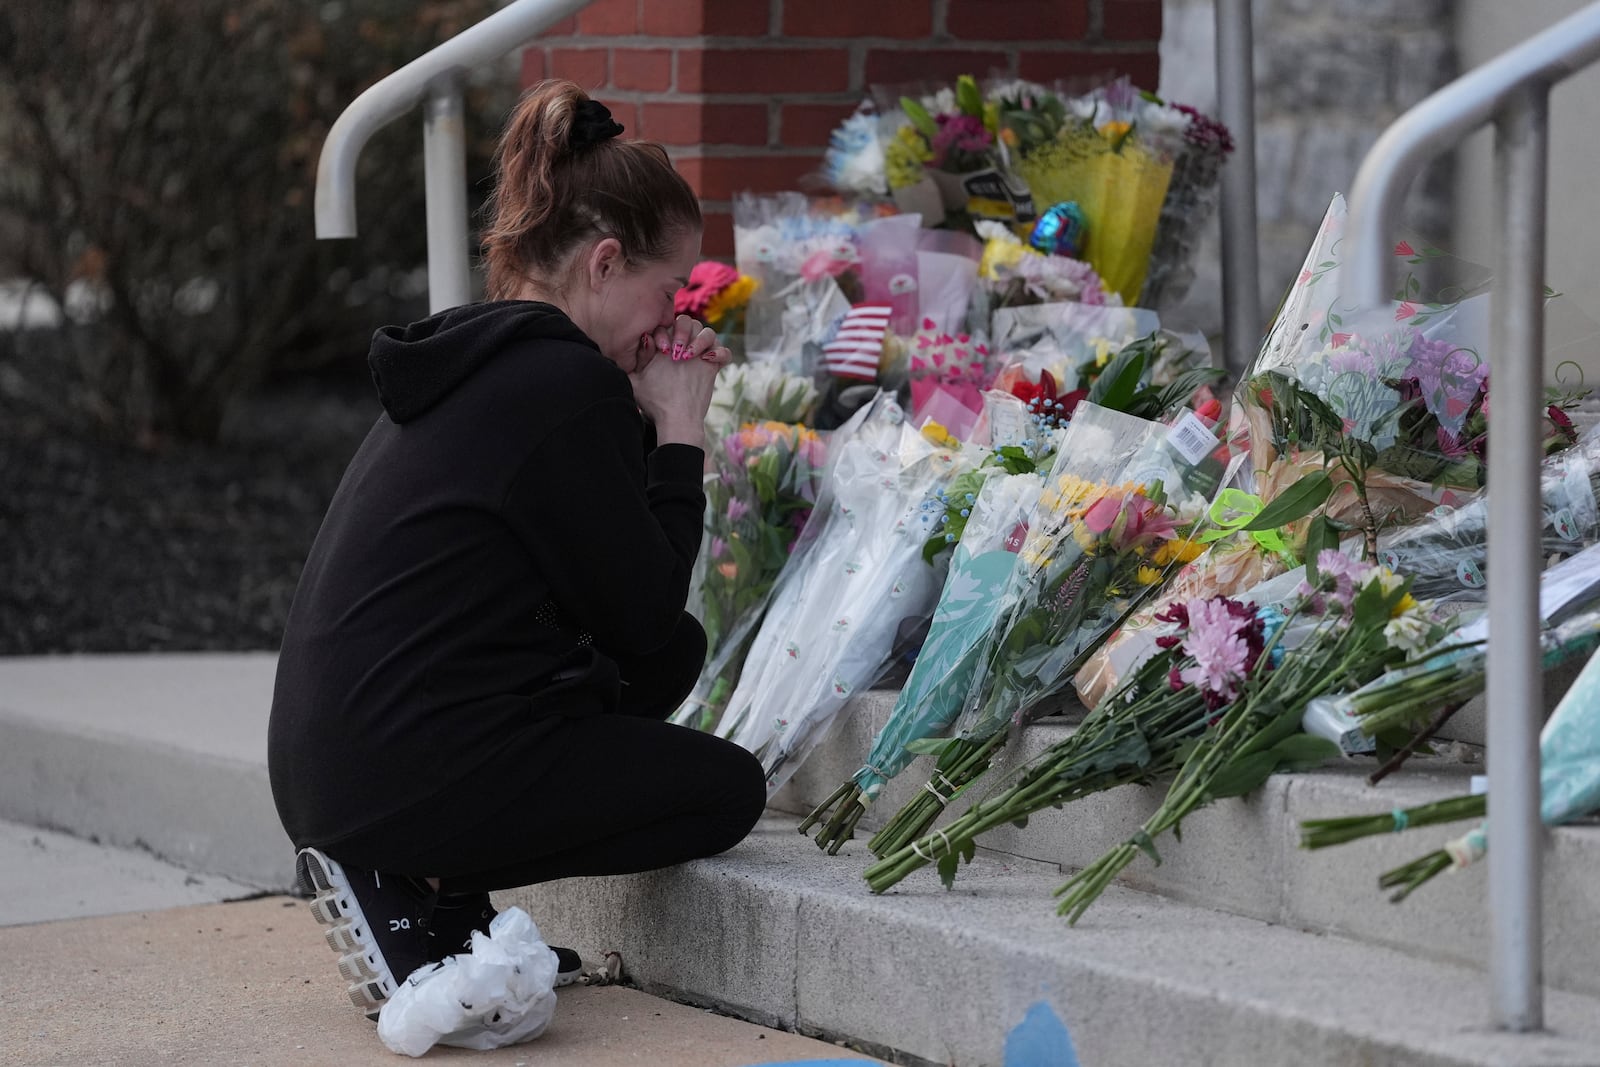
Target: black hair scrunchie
(591, 124)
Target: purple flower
(737, 509)
(1220, 648)
(718, 547)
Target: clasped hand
(673, 385)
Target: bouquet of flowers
(992, 521)
(1569, 779)
(1191, 200)
(940, 157)
(853, 591)
(1014, 274)
(1391, 402)
(1344, 623)
(1393, 707)
(1112, 156)
(758, 391)
(1139, 733)
(717, 295)
(1066, 338)
(1446, 552)
(1113, 504)
(764, 485)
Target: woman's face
(632, 301)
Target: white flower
(942, 102)
(1409, 633)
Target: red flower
(1404, 249)
(1035, 392)
(1405, 311)
(1069, 403)
(1210, 410)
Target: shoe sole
(334, 905)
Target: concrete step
(163, 753)
(776, 932)
(1243, 856)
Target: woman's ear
(605, 262)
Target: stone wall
(745, 92)
(1330, 76)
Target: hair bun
(591, 124)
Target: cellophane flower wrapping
(758, 391)
(1446, 551)
(1192, 196)
(948, 374)
(1392, 401)
(804, 255)
(1113, 157)
(1064, 338)
(1115, 496)
(979, 573)
(854, 591)
(764, 483)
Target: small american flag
(855, 348)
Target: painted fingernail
(681, 351)
(661, 345)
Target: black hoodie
(500, 524)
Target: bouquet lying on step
(993, 523)
(1110, 525)
(854, 592)
(1569, 781)
(1346, 624)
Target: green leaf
(947, 869)
(919, 117)
(1119, 382)
(1321, 534)
(1371, 608)
(1242, 774)
(1294, 503)
(930, 746)
(1302, 752)
(1143, 843)
(1177, 392)
(968, 99)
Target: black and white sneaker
(456, 915)
(377, 924)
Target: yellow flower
(1103, 351)
(1086, 540)
(904, 156)
(734, 296)
(940, 436)
(1407, 604)
(1116, 132)
(1148, 575)
(1179, 548)
(1000, 254)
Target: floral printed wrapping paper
(855, 589)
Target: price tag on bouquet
(1192, 438)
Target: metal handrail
(435, 77)
(1241, 271)
(1513, 92)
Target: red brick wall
(745, 92)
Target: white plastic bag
(501, 993)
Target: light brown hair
(552, 194)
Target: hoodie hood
(417, 366)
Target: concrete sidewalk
(114, 945)
(253, 982)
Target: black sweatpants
(614, 794)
